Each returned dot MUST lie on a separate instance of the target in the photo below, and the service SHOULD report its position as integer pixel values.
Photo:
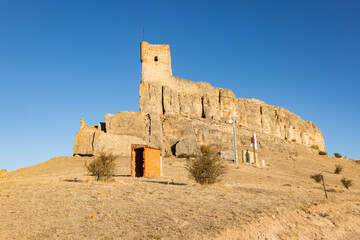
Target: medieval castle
(178, 115)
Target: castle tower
(156, 62)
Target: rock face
(114, 136)
(115, 144)
(173, 110)
(187, 146)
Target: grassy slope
(43, 201)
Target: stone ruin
(178, 116)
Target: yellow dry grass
(57, 199)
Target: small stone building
(146, 161)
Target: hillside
(58, 200)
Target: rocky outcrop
(119, 145)
(194, 103)
(84, 139)
(174, 110)
(125, 123)
(212, 105)
(114, 136)
(187, 146)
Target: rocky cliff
(175, 112)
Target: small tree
(103, 166)
(322, 153)
(206, 168)
(337, 155)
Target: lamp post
(233, 122)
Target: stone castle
(178, 116)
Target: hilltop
(57, 199)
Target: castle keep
(178, 115)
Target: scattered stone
(227, 155)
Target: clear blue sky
(65, 60)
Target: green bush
(316, 177)
(338, 169)
(322, 153)
(206, 168)
(102, 167)
(346, 182)
(337, 155)
(316, 147)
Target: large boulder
(115, 144)
(126, 123)
(187, 146)
(227, 155)
(83, 142)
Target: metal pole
(235, 150)
(255, 149)
(322, 177)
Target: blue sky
(65, 60)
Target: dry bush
(206, 168)
(346, 182)
(316, 177)
(322, 153)
(338, 169)
(103, 166)
(316, 147)
(337, 155)
(184, 155)
(205, 150)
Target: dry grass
(44, 201)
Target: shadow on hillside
(73, 180)
(166, 183)
(121, 175)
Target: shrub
(337, 155)
(206, 168)
(205, 150)
(316, 147)
(316, 177)
(322, 153)
(338, 169)
(346, 182)
(103, 166)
